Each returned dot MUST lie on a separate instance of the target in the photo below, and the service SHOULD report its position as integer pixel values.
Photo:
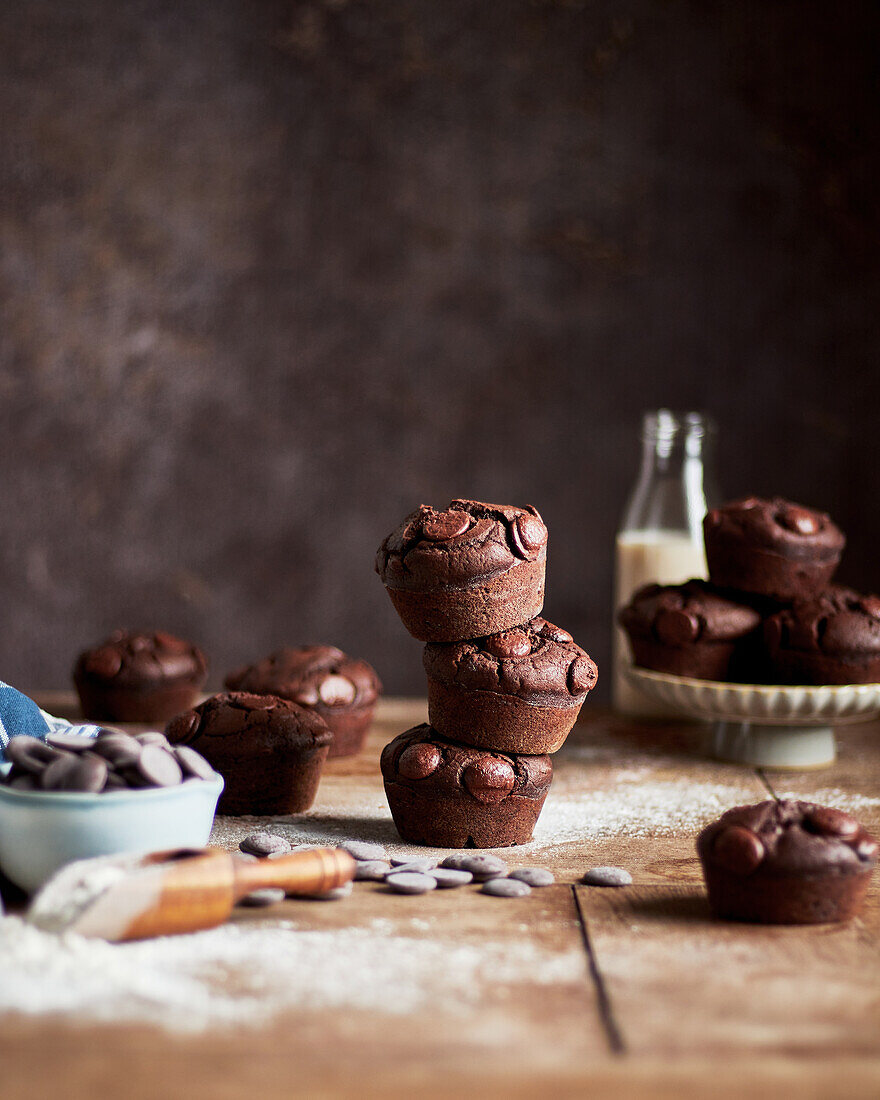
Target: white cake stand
(765, 726)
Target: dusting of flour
(244, 975)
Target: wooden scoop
(187, 889)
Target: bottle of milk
(661, 536)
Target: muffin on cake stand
(766, 726)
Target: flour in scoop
(74, 888)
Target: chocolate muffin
(691, 630)
(833, 639)
(518, 691)
(471, 570)
(341, 689)
(139, 677)
(269, 751)
(456, 796)
(786, 863)
(772, 548)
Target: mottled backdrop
(273, 273)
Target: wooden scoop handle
(311, 872)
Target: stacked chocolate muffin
(768, 612)
(504, 685)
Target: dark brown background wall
(274, 273)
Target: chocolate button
(738, 850)
(152, 737)
(337, 691)
(554, 633)
(184, 727)
(30, 754)
(529, 534)
(75, 742)
(676, 627)
(799, 520)
(510, 643)
(192, 763)
(120, 749)
(871, 606)
(158, 767)
(264, 844)
(419, 761)
(867, 848)
(831, 822)
(445, 525)
(306, 697)
(581, 676)
(105, 662)
(84, 772)
(489, 779)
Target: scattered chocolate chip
(410, 882)
(533, 876)
(362, 850)
(506, 888)
(371, 870)
(489, 779)
(259, 898)
(419, 761)
(264, 844)
(607, 876)
(447, 878)
(482, 866)
(414, 863)
(158, 766)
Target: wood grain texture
(701, 1007)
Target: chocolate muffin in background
(468, 571)
(456, 796)
(139, 677)
(341, 689)
(833, 639)
(771, 548)
(519, 691)
(269, 751)
(786, 863)
(692, 630)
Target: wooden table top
(653, 998)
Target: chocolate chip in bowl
(64, 800)
(343, 690)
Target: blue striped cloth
(19, 714)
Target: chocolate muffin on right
(833, 639)
(786, 863)
(519, 691)
(692, 630)
(772, 548)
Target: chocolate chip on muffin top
(137, 657)
(536, 661)
(779, 525)
(467, 542)
(244, 724)
(313, 675)
(488, 777)
(839, 622)
(679, 615)
(787, 838)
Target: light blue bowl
(41, 831)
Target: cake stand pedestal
(765, 726)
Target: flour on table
(244, 975)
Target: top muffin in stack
(505, 686)
(769, 612)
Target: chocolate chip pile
(112, 761)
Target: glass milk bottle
(661, 536)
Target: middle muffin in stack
(504, 686)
